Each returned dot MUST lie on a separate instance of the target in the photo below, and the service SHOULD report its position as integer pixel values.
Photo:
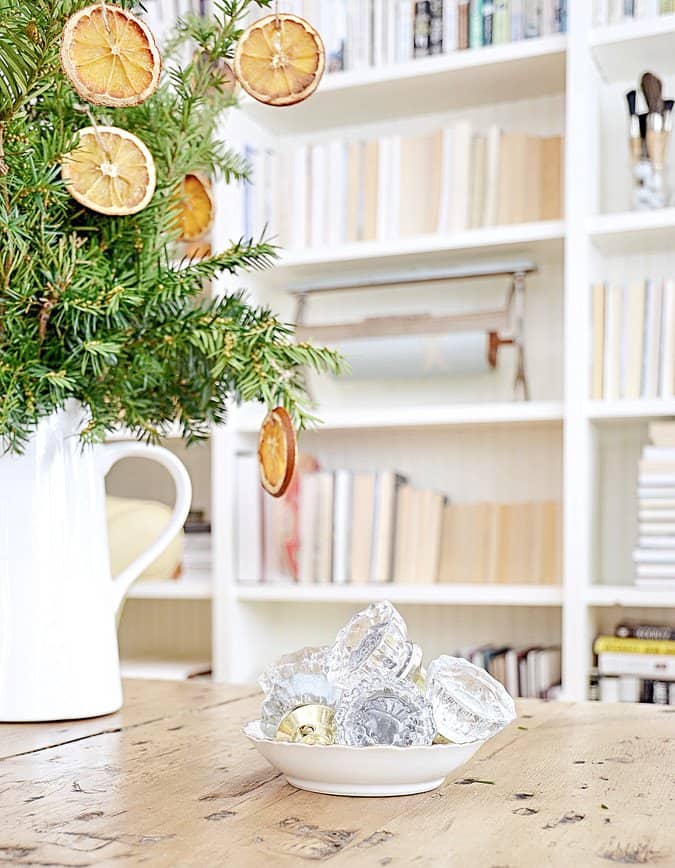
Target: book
(531, 18)
(662, 433)
(428, 536)
(463, 19)
(643, 665)
(455, 178)
(468, 538)
(634, 335)
(323, 558)
(342, 525)
(436, 27)
(517, 20)
(487, 11)
(420, 165)
(450, 25)
(618, 644)
(403, 559)
(370, 172)
(494, 136)
(422, 28)
(652, 339)
(478, 172)
(308, 527)
(387, 484)
(501, 28)
(362, 527)
(667, 374)
(248, 526)
(598, 306)
(639, 630)
(476, 23)
(612, 354)
(551, 178)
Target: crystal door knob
(374, 642)
(293, 682)
(468, 703)
(384, 710)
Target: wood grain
(170, 781)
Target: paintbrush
(652, 89)
(634, 138)
(656, 137)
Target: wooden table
(170, 781)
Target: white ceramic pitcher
(58, 644)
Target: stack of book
(446, 181)
(637, 664)
(615, 11)
(531, 671)
(633, 340)
(346, 526)
(364, 33)
(654, 556)
(197, 557)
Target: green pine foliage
(96, 308)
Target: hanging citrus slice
(277, 452)
(195, 207)
(111, 171)
(110, 56)
(279, 59)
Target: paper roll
(457, 354)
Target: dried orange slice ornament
(111, 171)
(195, 207)
(110, 56)
(277, 451)
(279, 59)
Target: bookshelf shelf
(616, 595)
(518, 70)
(623, 51)
(187, 588)
(459, 595)
(423, 251)
(467, 415)
(608, 411)
(632, 231)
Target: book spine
(501, 26)
(656, 632)
(531, 16)
(422, 28)
(617, 645)
(517, 21)
(488, 9)
(476, 24)
(463, 19)
(450, 16)
(436, 33)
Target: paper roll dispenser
(417, 345)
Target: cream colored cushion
(133, 525)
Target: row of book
(636, 664)
(353, 527)
(654, 556)
(363, 33)
(633, 340)
(447, 181)
(616, 11)
(531, 671)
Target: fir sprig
(98, 308)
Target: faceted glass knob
(384, 710)
(374, 642)
(468, 703)
(294, 681)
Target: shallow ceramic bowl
(339, 770)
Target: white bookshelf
(469, 438)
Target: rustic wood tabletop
(170, 781)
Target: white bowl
(339, 770)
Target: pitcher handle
(112, 453)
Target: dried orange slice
(111, 171)
(195, 207)
(279, 59)
(277, 450)
(110, 56)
